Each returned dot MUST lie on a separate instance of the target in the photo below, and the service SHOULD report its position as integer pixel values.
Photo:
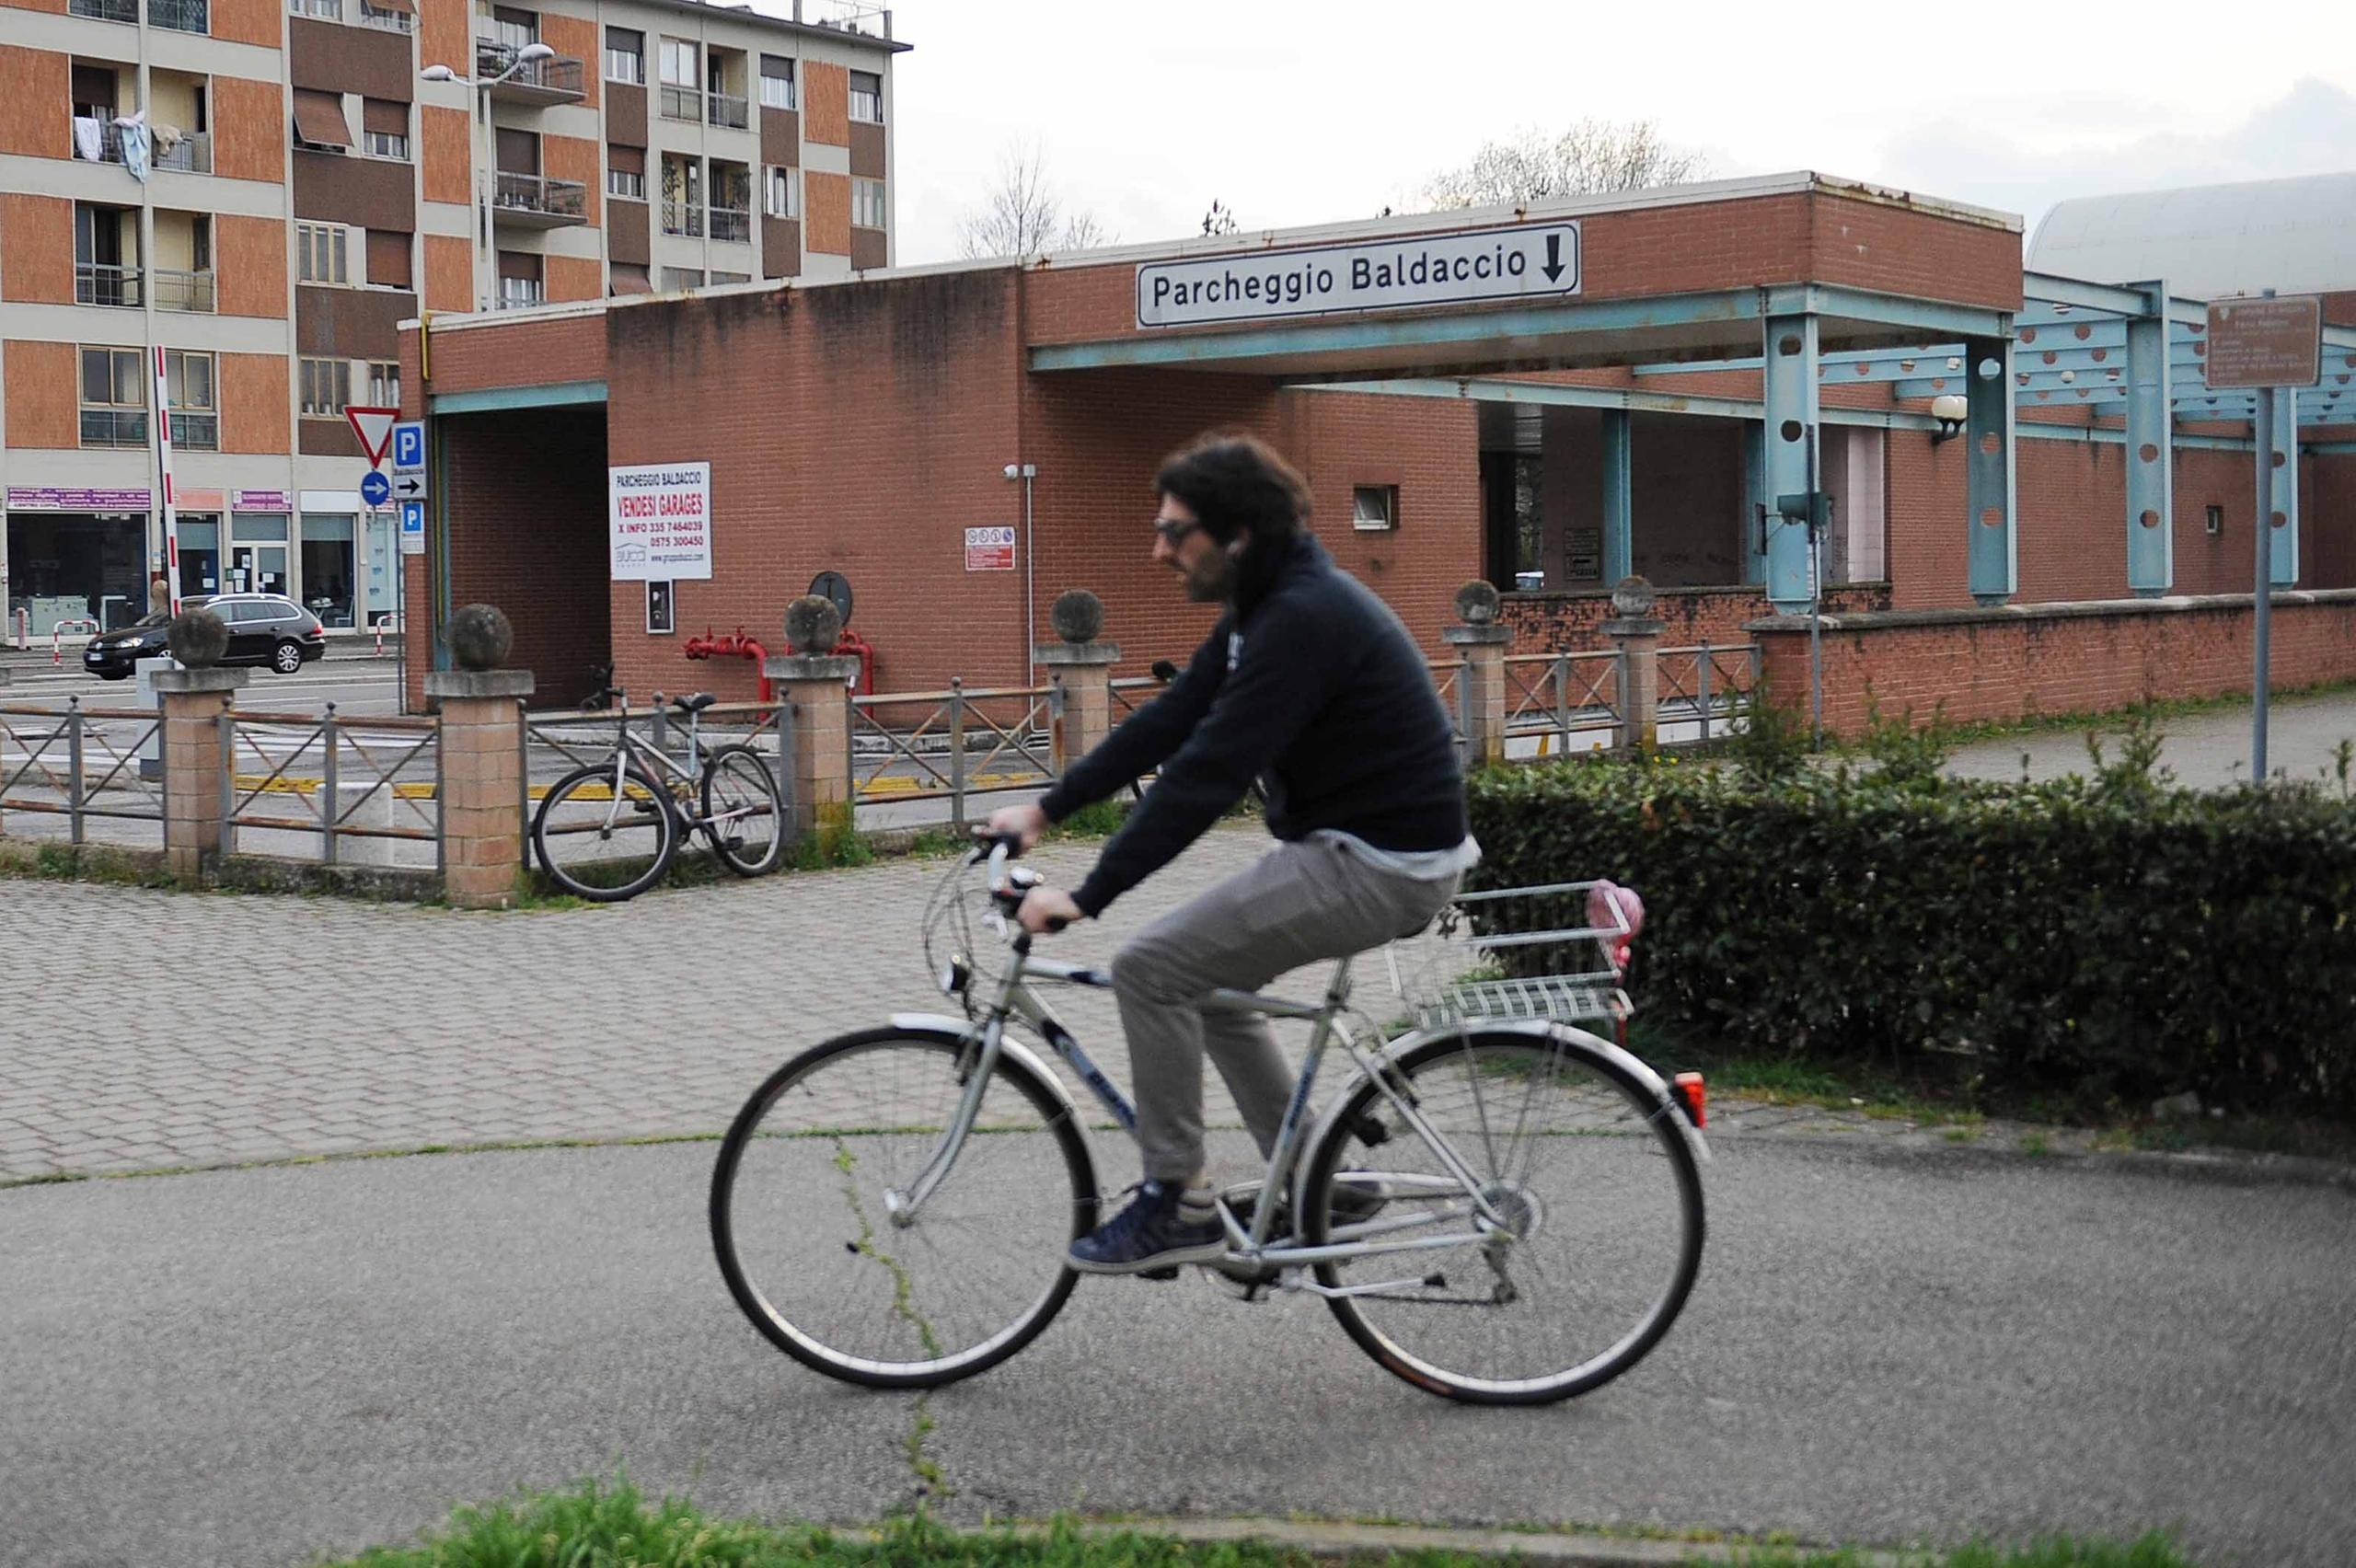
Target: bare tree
(1025, 214)
(1219, 219)
(1592, 156)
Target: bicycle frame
(1016, 996)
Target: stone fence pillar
(814, 691)
(1482, 694)
(482, 783)
(1081, 674)
(1636, 632)
(193, 702)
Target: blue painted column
(1987, 469)
(1791, 443)
(1754, 494)
(2283, 554)
(2151, 459)
(1619, 528)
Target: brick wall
(35, 250)
(444, 38)
(825, 213)
(447, 137)
(576, 158)
(579, 38)
(449, 273)
(52, 418)
(1567, 623)
(522, 354)
(2010, 663)
(825, 103)
(573, 278)
(250, 265)
(254, 407)
(248, 21)
(33, 103)
(54, 7)
(250, 130)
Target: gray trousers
(1300, 903)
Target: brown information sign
(2265, 342)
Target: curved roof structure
(2297, 236)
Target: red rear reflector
(1693, 1097)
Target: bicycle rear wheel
(809, 1242)
(600, 847)
(744, 816)
(1592, 1173)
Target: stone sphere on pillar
(479, 637)
(813, 624)
(197, 639)
(1077, 616)
(1632, 598)
(1476, 602)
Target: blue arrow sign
(375, 488)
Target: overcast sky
(1299, 111)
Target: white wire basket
(1557, 952)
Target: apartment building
(218, 211)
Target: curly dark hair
(1233, 481)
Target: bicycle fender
(1007, 1046)
(1537, 1028)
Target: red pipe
(734, 644)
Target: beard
(1212, 577)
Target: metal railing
(950, 744)
(539, 194)
(1706, 686)
(681, 103)
(114, 427)
(196, 431)
(682, 217)
(81, 764)
(555, 743)
(521, 294)
(110, 141)
(192, 154)
(375, 781)
(102, 282)
(181, 15)
(731, 223)
(1552, 699)
(391, 21)
(558, 74)
(728, 110)
(177, 290)
(104, 10)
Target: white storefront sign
(1478, 266)
(659, 520)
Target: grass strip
(601, 1525)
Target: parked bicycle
(1499, 1207)
(603, 692)
(607, 832)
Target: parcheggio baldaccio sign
(1537, 262)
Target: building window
(512, 29)
(188, 393)
(676, 278)
(785, 194)
(867, 203)
(867, 96)
(324, 10)
(1374, 507)
(326, 387)
(519, 280)
(395, 16)
(625, 56)
(776, 83)
(2216, 523)
(387, 144)
(629, 184)
(114, 399)
(385, 383)
(682, 80)
(322, 254)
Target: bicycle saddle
(695, 703)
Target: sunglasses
(1172, 532)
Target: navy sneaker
(1148, 1234)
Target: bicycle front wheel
(1592, 1175)
(810, 1221)
(742, 815)
(600, 844)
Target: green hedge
(2111, 935)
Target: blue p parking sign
(408, 447)
(412, 528)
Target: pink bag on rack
(1608, 905)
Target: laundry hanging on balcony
(89, 139)
(134, 143)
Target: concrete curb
(1545, 1549)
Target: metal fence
(1704, 687)
(80, 764)
(348, 789)
(555, 743)
(951, 744)
(1554, 699)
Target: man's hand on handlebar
(1026, 822)
(1047, 909)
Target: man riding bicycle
(1309, 684)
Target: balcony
(682, 103)
(181, 15)
(541, 82)
(190, 155)
(387, 19)
(96, 140)
(177, 290)
(683, 218)
(114, 427)
(729, 111)
(520, 294)
(104, 10)
(731, 223)
(97, 283)
(534, 201)
(195, 432)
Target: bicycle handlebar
(997, 847)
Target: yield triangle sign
(374, 429)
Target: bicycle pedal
(1170, 1272)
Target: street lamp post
(530, 54)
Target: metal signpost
(2261, 344)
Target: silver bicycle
(1499, 1206)
(609, 831)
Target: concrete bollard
(482, 783)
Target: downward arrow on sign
(1554, 268)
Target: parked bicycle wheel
(602, 845)
(1591, 1173)
(744, 815)
(807, 1222)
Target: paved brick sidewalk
(145, 1030)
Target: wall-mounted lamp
(1950, 410)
